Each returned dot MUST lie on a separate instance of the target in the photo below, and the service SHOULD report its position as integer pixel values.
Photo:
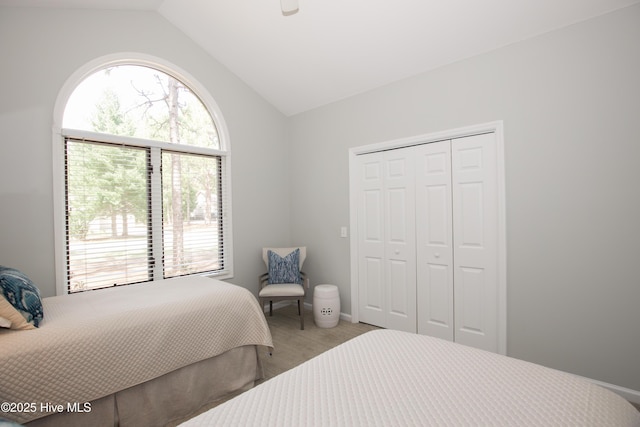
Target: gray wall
(570, 102)
(40, 49)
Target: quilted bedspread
(96, 343)
(390, 378)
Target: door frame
(495, 127)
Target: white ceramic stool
(326, 306)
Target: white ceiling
(332, 49)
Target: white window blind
(108, 216)
(192, 213)
(135, 214)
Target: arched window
(145, 180)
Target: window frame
(59, 135)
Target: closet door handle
(437, 255)
(397, 251)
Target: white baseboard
(278, 305)
(346, 317)
(307, 306)
(627, 393)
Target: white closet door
(475, 226)
(400, 256)
(371, 280)
(386, 240)
(434, 235)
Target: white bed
(142, 354)
(391, 378)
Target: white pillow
(5, 323)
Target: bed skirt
(171, 398)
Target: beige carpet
(293, 346)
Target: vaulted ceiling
(333, 49)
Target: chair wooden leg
(301, 313)
(270, 308)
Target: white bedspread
(96, 343)
(390, 378)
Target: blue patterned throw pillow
(284, 269)
(20, 300)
